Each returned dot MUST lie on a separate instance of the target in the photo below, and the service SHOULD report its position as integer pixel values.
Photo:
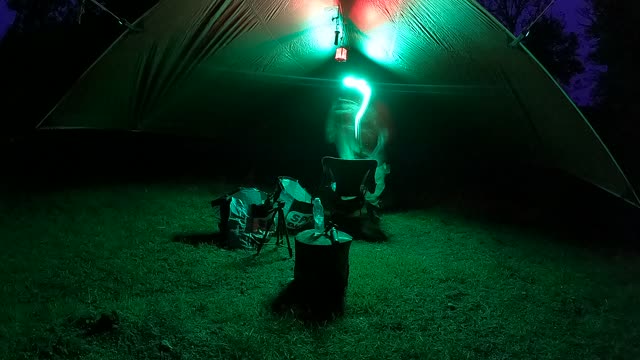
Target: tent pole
(120, 20)
(526, 31)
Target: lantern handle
(340, 30)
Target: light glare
(365, 90)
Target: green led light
(365, 90)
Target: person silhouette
(372, 142)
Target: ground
(444, 286)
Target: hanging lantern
(341, 54)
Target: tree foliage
(613, 25)
(555, 48)
(515, 14)
(38, 15)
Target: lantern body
(341, 54)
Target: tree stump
(321, 272)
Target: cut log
(321, 272)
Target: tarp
(263, 71)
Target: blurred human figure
(371, 144)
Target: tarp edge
(630, 187)
(105, 52)
(564, 93)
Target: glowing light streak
(365, 90)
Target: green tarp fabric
(263, 70)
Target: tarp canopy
(263, 71)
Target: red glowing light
(369, 14)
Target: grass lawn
(445, 286)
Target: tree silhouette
(38, 15)
(515, 14)
(613, 27)
(548, 41)
(556, 49)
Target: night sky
(6, 18)
(565, 9)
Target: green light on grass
(365, 90)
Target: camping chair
(345, 183)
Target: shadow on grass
(360, 227)
(569, 211)
(367, 231)
(198, 239)
(307, 304)
(266, 257)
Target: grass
(444, 286)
